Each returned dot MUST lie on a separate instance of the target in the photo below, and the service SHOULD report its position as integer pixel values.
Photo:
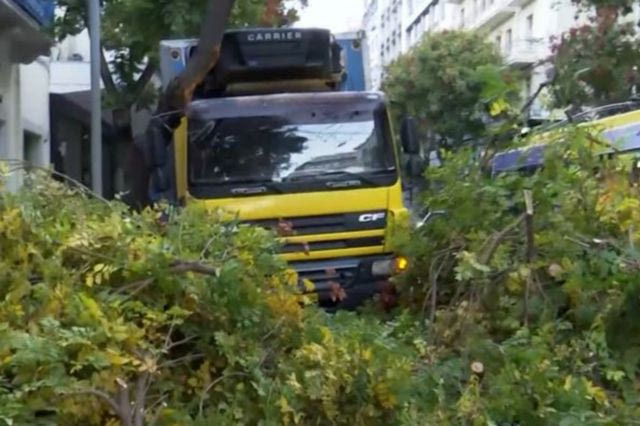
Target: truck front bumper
(361, 278)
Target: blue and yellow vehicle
(271, 139)
(617, 124)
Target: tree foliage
(595, 65)
(166, 317)
(542, 306)
(110, 317)
(453, 82)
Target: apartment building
(24, 82)
(521, 29)
(424, 16)
(70, 119)
(383, 25)
(392, 27)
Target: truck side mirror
(409, 136)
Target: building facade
(521, 29)
(383, 27)
(70, 119)
(24, 83)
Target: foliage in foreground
(109, 317)
(545, 307)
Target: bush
(547, 309)
(169, 317)
(165, 317)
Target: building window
(462, 18)
(475, 8)
(529, 31)
(499, 42)
(509, 41)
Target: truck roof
(283, 104)
(255, 60)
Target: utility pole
(96, 101)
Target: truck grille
(313, 225)
(324, 278)
(333, 245)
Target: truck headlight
(389, 267)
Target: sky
(336, 15)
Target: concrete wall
(34, 99)
(24, 112)
(11, 134)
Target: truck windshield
(306, 146)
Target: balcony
(21, 26)
(494, 15)
(524, 53)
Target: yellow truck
(270, 138)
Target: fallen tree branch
(178, 267)
(528, 199)
(124, 402)
(181, 267)
(491, 245)
(434, 274)
(17, 165)
(180, 91)
(181, 360)
(180, 342)
(211, 385)
(142, 385)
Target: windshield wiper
(361, 177)
(256, 186)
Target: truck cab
(271, 139)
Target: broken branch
(489, 248)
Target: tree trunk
(180, 91)
(135, 170)
(175, 100)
